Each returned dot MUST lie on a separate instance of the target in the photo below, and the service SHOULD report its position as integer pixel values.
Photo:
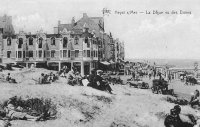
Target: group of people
(74, 77)
(47, 78)
(63, 72)
(94, 80)
(174, 120)
(98, 82)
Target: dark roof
(87, 34)
(93, 23)
(34, 36)
(53, 35)
(67, 26)
(12, 36)
(90, 24)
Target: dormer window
(65, 41)
(87, 41)
(9, 41)
(20, 43)
(53, 41)
(40, 43)
(76, 40)
(30, 41)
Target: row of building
(82, 44)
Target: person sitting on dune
(42, 79)
(176, 119)
(101, 83)
(173, 119)
(71, 80)
(8, 78)
(194, 101)
(13, 113)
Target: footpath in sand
(80, 106)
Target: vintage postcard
(99, 63)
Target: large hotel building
(82, 44)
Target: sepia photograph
(99, 63)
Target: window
(69, 53)
(61, 53)
(88, 53)
(9, 41)
(76, 41)
(24, 54)
(19, 54)
(20, 42)
(53, 41)
(47, 53)
(8, 54)
(44, 53)
(93, 64)
(76, 53)
(30, 53)
(40, 42)
(30, 41)
(91, 53)
(84, 53)
(94, 53)
(97, 53)
(40, 53)
(53, 53)
(87, 41)
(27, 54)
(64, 53)
(65, 41)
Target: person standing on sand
(154, 73)
(133, 75)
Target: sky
(160, 36)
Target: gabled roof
(98, 20)
(94, 24)
(67, 26)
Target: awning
(2, 64)
(105, 63)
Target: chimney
(73, 21)
(85, 15)
(59, 22)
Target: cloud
(166, 37)
(30, 23)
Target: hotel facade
(82, 44)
